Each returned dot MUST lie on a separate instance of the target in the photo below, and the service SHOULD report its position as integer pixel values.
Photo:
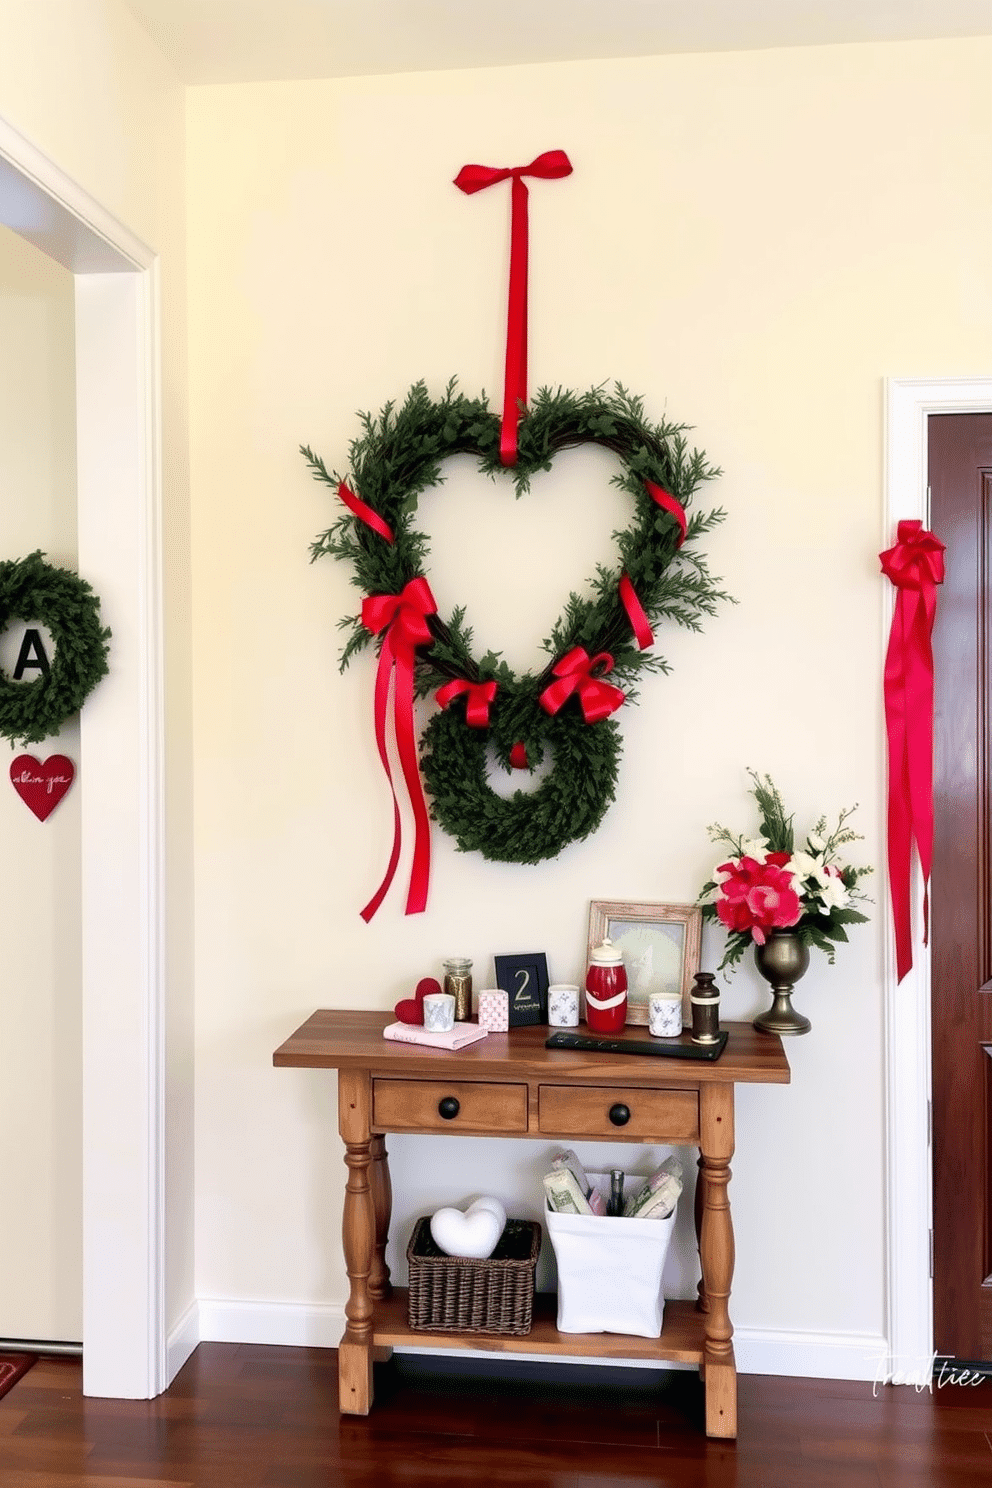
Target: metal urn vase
(782, 960)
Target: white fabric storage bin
(609, 1269)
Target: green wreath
(31, 589)
(399, 456)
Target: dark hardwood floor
(249, 1417)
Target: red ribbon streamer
(916, 566)
(363, 512)
(403, 618)
(598, 699)
(518, 756)
(668, 503)
(478, 697)
(550, 166)
(639, 622)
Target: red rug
(12, 1366)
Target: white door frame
(908, 1169)
(121, 767)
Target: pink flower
(758, 896)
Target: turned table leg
(382, 1204)
(359, 1231)
(716, 1254)
(701, 1301)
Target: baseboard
(840, 1356)
(293, 1324)
(853, 1356)
(181, 1342)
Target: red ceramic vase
(606, 990)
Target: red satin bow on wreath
(478, 697)
(550, 166)
(916, 566)
(598, 699)
(403, 618)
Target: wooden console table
(509, 1085)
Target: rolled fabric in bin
(610, 1270)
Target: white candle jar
(665, 1014)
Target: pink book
(455, 1038)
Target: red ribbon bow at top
(403, 618)
(916, 566)
(550, 166)
(598, 699)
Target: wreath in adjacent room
(33, 590)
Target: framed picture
(525, 978)
(659, 944)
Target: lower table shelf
(682, 1339)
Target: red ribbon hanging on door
(916, 566)
(403, 618)
(550, 166)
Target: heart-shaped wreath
(565, 706)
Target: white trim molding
(125, 1351)
(291, 1324)
(908, 1174)
(182, 1341)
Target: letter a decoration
(563, 711)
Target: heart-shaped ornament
(411, 1009)
(41, 784)
(473, 1233)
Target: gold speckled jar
(458, 981)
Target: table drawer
(584, 1111)
(448, 1106)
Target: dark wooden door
(960, 474)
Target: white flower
(802, 866)
(754, 847)
(833, 894)
(815, 842)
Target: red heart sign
(42, 784)
(410, 1009)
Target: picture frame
(660, 945)
(525, 979)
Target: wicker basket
(459, 1294)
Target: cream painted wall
(81, 80)
(40, 1048)
(752, 242)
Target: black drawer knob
(448, 1108)
(619, 1114)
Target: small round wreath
(659, 576)
(31, 589)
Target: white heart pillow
(474, 1233)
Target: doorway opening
(120, 780)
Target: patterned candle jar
(665, 1014)
(563, 1005)
(439, 1012)
(494, 1010)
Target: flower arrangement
(767, 884)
